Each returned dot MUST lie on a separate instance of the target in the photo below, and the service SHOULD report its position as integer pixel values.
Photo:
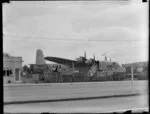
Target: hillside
(140, 70)
(137, 65)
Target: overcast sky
(67, 29)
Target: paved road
(70, 90)
(75, 90)
(137, 103)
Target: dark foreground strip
(68, 99)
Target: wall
(11, 63)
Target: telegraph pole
(73, 70)
(132, 78)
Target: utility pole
(132, 78)
(73, 70)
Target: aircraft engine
(81, 59)
(90, 61)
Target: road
(87, 106)
(73, 90)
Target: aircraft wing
(62, 61)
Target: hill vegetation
(140, 70)
(136, 66)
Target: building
(12, 67)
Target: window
(4, 72)
(8, 73)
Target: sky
(67, 29)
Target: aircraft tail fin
(39, 57)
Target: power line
(69, 39)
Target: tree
(145, 67)
(27, 71)
(25, 68)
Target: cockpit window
(120, 65)
(114, 63)
(117, 64)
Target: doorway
(17, 74)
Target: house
(12, 67)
